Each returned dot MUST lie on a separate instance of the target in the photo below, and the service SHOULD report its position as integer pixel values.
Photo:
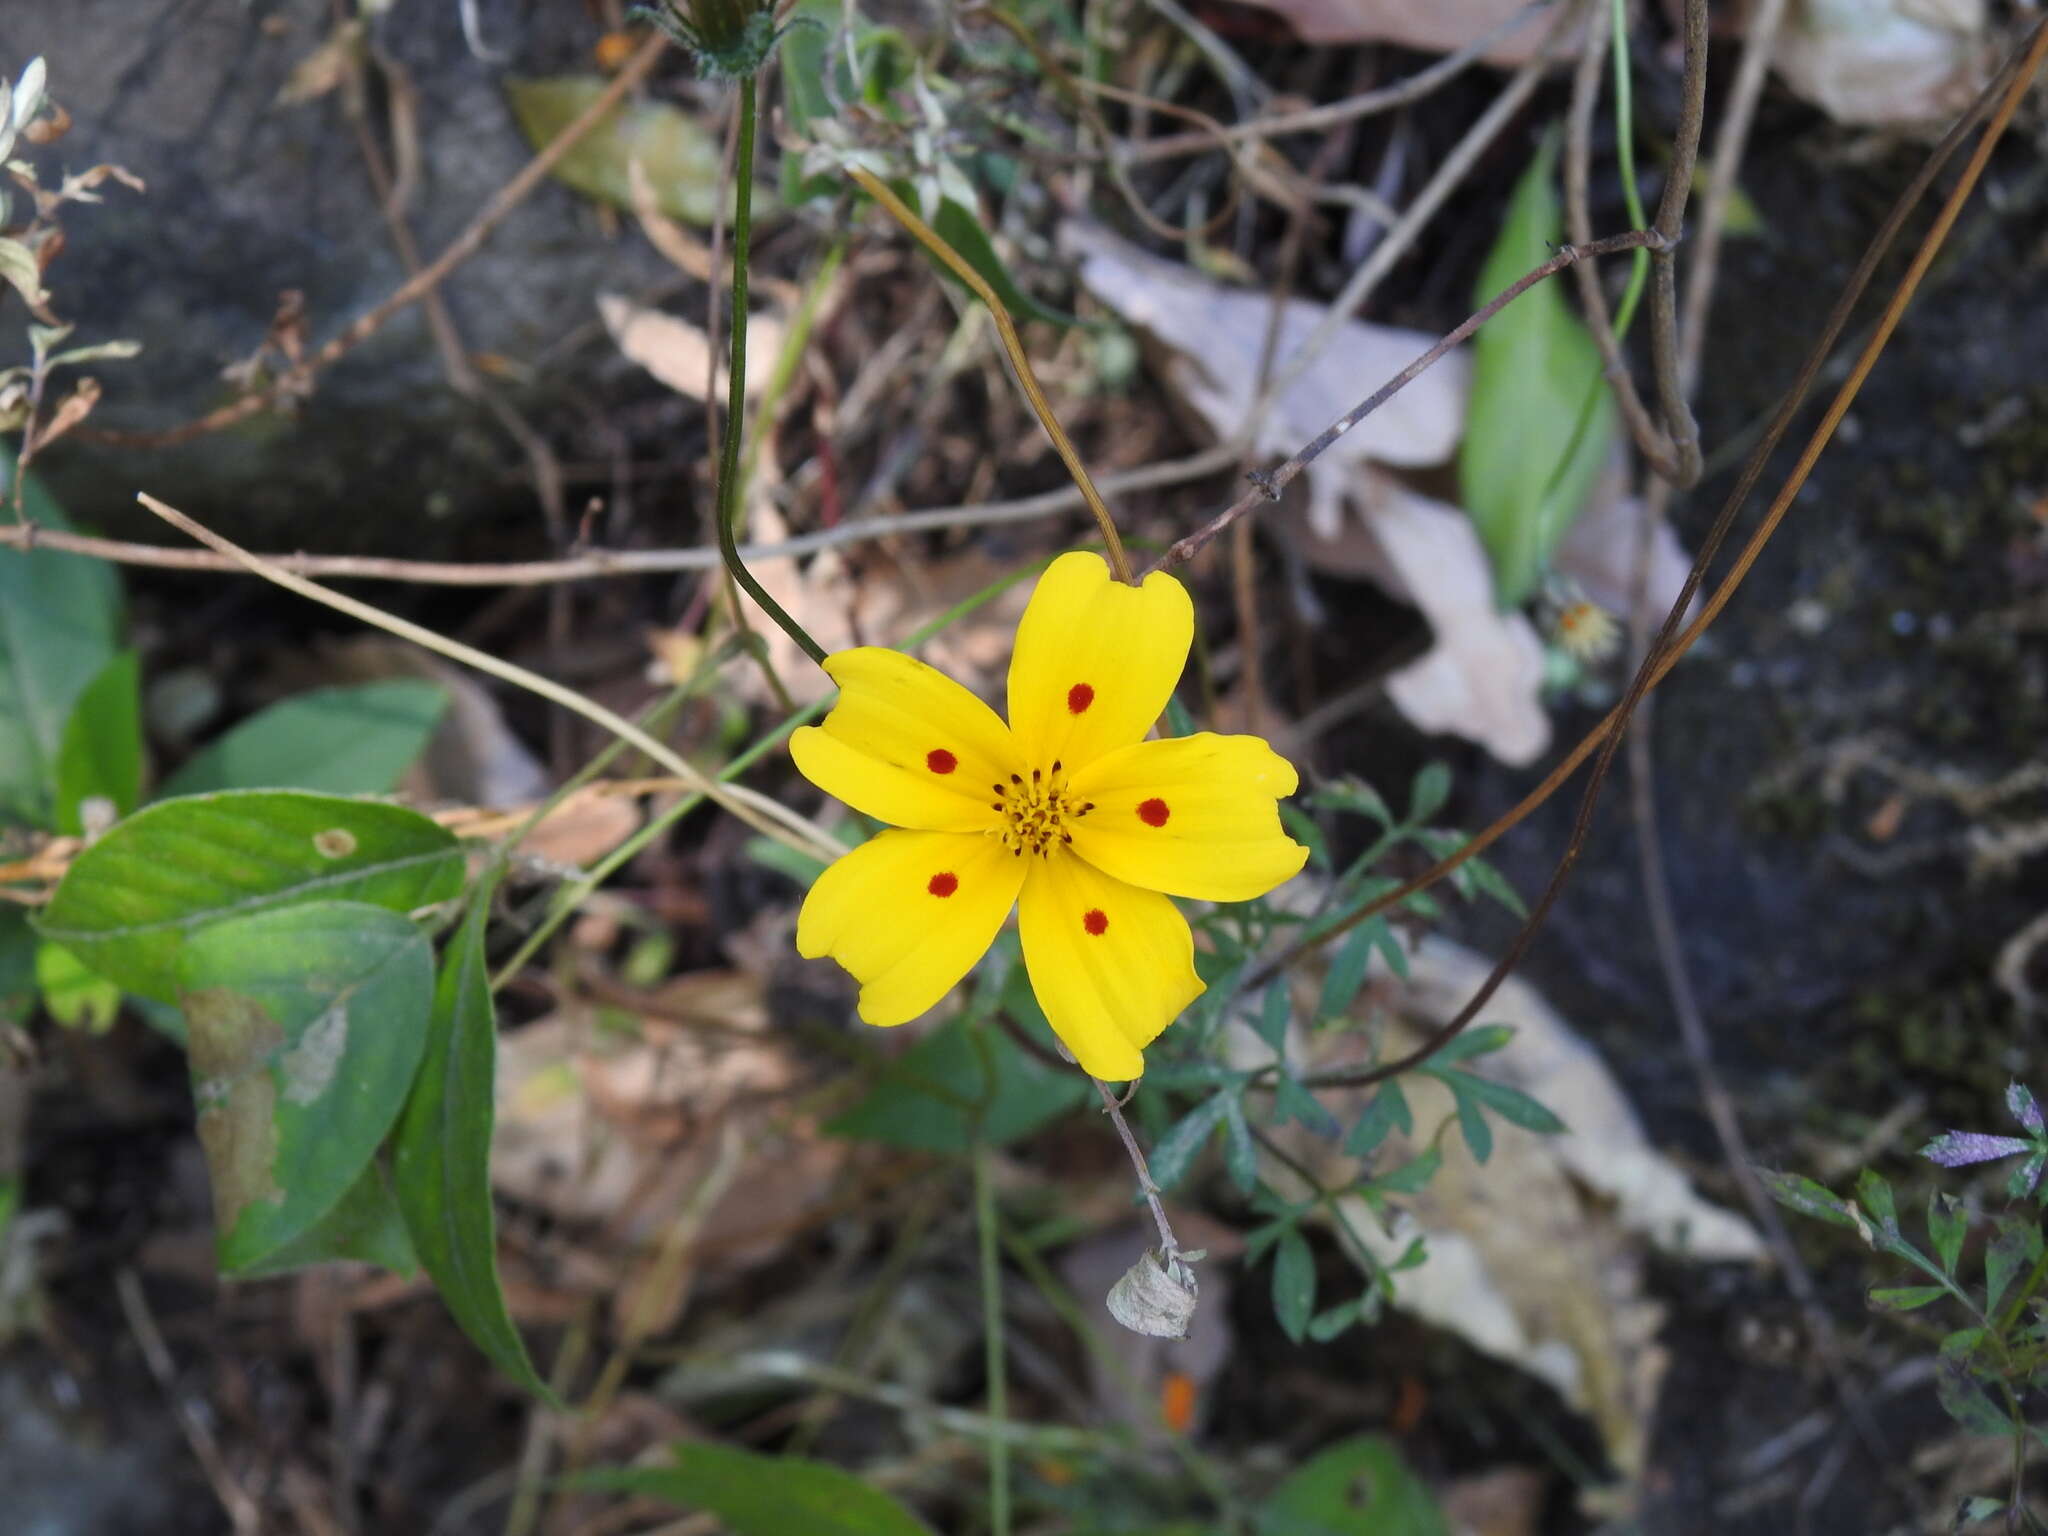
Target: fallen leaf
(1537, 1257)
(1215, 335)
(1886, 61)
(677, 352)
(1435, 26)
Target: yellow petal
(908, 913)
(1112, 965)
(906, 744)
(1192, 816)
(1096, 660)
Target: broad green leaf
(442, 1153)
(1905, 1298)
(304, 1025)
(1795, 1191)
(365, 1225)
(74, 996)
(1533, 367)
(59, 616)
(678, 153)
(757, 1495)
(1387, 1111)
(99, 756)
(1358, 1487)
(339, 741)
(1174, 1152)
(131, 900)
(1294, 1284)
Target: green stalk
(992, 1337)
(736, 383)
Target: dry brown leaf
(1215, 335)
(677, 352)
(1436, 26)
(1886, 62)
(1537, 1256)
(325, 68)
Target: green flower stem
(992, 1338)
(736, 383)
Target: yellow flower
(1066, 812)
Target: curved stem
(736, 384)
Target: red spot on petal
(1153, 812)
(939, 760)
(1079, 697)
(1096, 921)
(944, 883)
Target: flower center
(1036, 810)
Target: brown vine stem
(1268, 484)
(2008, 89)
(1013, 347)
(421, 283)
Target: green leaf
(1875, 1196)
(1480, 1040)
(18, 953)
(1346, 973)
(961, 228)
(1357, 1487)
(925, 1100)
(1388, 1111)
(1239, 1156)
(442, 1153)
(1471, 1117)
(1176, 1150)
(2017, 1245)
(365, 1225)
(1946, 1224)
(59, 616)
(1294, 1284)
(679, 154)
(1511, 1104)
(339, 741)
(76, 997)
(1334, 1321)
(1303, 829)
(1291, 1101)
(1411, 1175)
(1796, 1192)
(1905, 1298)
(131, 900)
(1274, 1011)
(1485, 878)
(756, 1495)
(1534, 365)
(305, 1026)
(100, 752)
(1427, 795)
(1959, 1384)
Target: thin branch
(2009, 89)
(759, 811)
(1267, 485)
(597, 564)
(1169, 1245)
(421, 283)
(1013, 347)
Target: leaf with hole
(130, 902)
(304, 1026)
(356, 740)
(442, 1152)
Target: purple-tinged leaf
(2024, 1109)
(2026, 1176)
(1957, 1149)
